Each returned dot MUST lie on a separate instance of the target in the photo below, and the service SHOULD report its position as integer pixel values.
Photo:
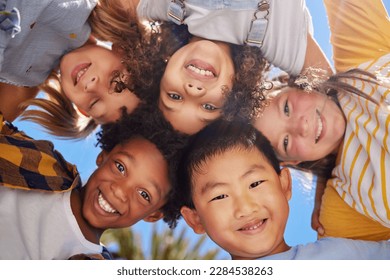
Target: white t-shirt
(39, 225)
(285, 40)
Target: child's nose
(301, 127)
(91, 83)
(119, 192)
(194, 90)
(245, 206)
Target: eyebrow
(212, 185)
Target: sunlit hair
(56, 113)
(109, 23)
(215, 139)
(148, 122)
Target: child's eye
(286, 109)
(209, 107)
(255, 184)
(120, 167)
(144, 195)
(222, 196)
(174, 96)
(285, 144)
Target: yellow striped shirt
(362, 172)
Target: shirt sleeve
(153, 10)
(285, 41)
(353, 42)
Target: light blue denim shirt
(35, 34)
(285, 36)
(336, 249)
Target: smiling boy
(233, 189)
(132, 182)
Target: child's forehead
(218, 161)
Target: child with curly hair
(45, 211)
(198, 78)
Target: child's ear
(154, 217)
(285, 181)
(192, 219)
(100, 158)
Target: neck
(90, 233)
(280, 248)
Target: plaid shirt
(26, 163)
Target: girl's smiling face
(302, 126)
(194, 83)
(91, 78)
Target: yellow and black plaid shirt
(26, 163)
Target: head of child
(134, 178)
(199, 75)
(95, 79)
(301, 126)
(232, 188)
(97, 82)
(304, 125)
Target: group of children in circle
(189, 126)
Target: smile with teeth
(200, 71)
(80, 73)
(253, 226)
(107, 207)
(319, 126)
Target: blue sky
(83, 154)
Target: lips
(79, 71)
(105, 205)
(319, 126)
(252, 226)
(200, 70)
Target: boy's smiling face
(130, 184)
(241, 203)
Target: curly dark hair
(251, 70)
(249, 64)
(148, 122)
(215, 139)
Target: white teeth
(319, 126)
(105, 205)
(80, 73)
(200, 71)
(254, 226)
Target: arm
(315, 222)
(10, 98)
(316, 58)
(359, 31)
